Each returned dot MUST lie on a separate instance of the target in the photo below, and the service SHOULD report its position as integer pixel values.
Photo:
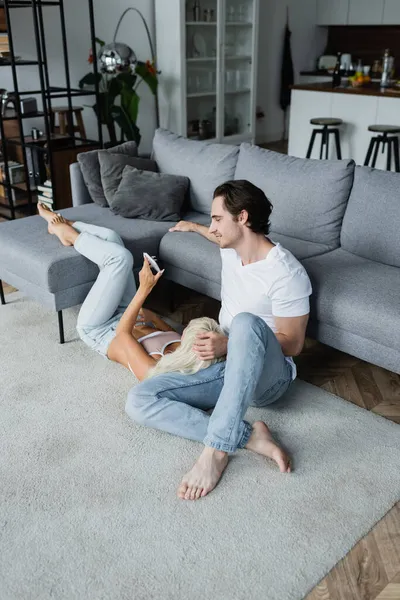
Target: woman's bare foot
(45, 212)
(262, 442)
(48, 215)
(204, 476)
(63, 230)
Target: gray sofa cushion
(112, 167)
(309, 196)
(32, 254)
(372, 218)
(348, 295)
(299, 248)
(192, 253)
(207, 165)
(90, 167)
(152, 196)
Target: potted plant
(119, 78)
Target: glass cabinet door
(236, 68)
(201, 68)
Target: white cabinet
(391, 12)
(208, 64)
(366, 12)
(331, 12)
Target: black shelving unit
(48, 93)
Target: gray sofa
(339, 220)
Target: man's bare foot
(262, 442)
(61, 228)
(205, 474)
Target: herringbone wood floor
(371, 570)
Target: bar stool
(325, 133)
(386, 140)
(64, 116)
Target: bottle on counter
(359, 68)
(336, 77)
(376, 69)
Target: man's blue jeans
(254, 374)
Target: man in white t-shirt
(264, 313)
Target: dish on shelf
(199, 46)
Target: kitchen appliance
(387, 68)
(345, 62)
(327, 62)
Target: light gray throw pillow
(151, 196)
(112, 166)
(90, 167)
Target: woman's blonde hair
(184, 360)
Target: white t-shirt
(277, 286)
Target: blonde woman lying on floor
(112, 320)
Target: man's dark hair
(241, 195)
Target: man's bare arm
(291, 332)
(196, 228)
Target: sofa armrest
(80, 193)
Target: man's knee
(246, 323)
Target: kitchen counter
(357, 107)
(372, 89)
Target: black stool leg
(3, 300)
(384, 140)
(396, 154)
(337, 142)
(323, 141)
(389, 154)
(311, 144)
(60, 326)
(369, 151)
(327, 143)
(378, 141)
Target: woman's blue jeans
(255, 373)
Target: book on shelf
(45, 200)
(45, 187)
(47, 194)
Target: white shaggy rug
(88, 506)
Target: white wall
(107, 13)
(307, 41)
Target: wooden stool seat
(65, 118)
(325, 121)
(384, 128)
(389, 140)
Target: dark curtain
(287, 74)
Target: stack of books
(46, 193)
(4, 45)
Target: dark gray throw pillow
(90, 167)
(151, 196)
(112, 166)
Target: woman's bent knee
(123, 256)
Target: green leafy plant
(118, 100)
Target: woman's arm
(147, 282)
(160, 324)
(129, 317)
(127, 351)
